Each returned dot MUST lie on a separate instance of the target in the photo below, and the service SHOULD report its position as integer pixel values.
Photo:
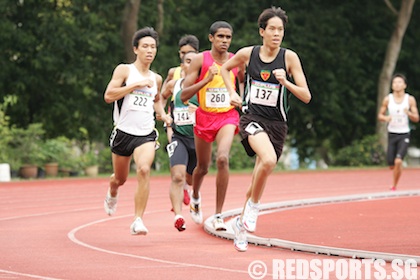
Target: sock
(178, 216)
(195, 200)
(253, 204)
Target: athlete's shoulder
(122, 68)
(158, 78)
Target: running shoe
(240, 243)
(393, 188)
(250, 216)
(138, 228)
(186, 197)
(195, 210)
(179, 223)
(110, 204)
(218, 223)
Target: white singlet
(136, 115)
(399, 119)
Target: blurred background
(57, 57)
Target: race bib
(399, 121)
(264, 93)
(182, 116)
(141, 100)
(217, 98)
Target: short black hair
(270, 13)
(189, 40)
(145, 32)
(399, 75)
(219, 24)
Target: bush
(57, 150)
(105, 160)
(365, 152)
(239, 160)
(27, 144)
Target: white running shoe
(110, 204)
(179, 223)
(250, 216)
(138, 228)
(218, 223)
(240, 243)
(195, 210)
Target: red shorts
(208, 124)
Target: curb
(303, 247)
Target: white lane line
(48, 213)
(26, 275)
(72, 236)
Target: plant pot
(65, 172)
(91, 171)
(28, 171)
(51, 169)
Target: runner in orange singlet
(216, 119)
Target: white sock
(253, 204)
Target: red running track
(57, 229)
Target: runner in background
(181, 149)
(187, 43)
(398, 109)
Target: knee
(202, 169)
(222, 161)
(143, 171)
(398, 162)
(178, 178)
(118, 181)
(268, 164)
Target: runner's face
(187, 61)
(185, 49)
(274, 32)
(146, 50)
(221, 39)
(398, 84)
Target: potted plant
(56, 151)
(90, 161)
(28, 146)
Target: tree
(161, 17)
(56, 61)
(57, 57)
(129, 26)
(391, 58)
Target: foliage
(58, 56)
(5, 135)
(57, 150)
(105, 160)
(27, 144)
(239, 160)
(364, 152)
(90, 158)
(161, 162)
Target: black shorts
(181, 150)
(253, 124)
(397, 146)
(123, 144)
